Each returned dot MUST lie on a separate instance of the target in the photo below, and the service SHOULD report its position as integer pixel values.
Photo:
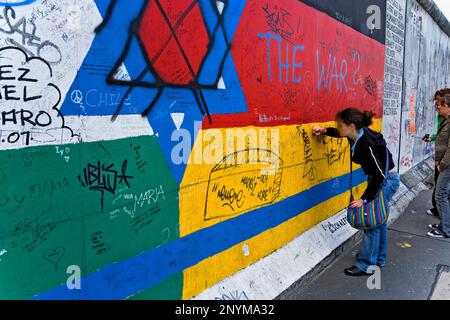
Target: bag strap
(386, 172)
(387, 164)
(351, 173)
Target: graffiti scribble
(103, 178)
(277, 21)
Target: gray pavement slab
(414, 269)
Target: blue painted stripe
(15, 3)
(122, 279)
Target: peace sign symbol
(77, 97)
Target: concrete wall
(393, 73)
(426, 70)
(163, 149)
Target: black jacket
(370, 154)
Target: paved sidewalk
(415, 268)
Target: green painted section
(169, 289)
(52, 217)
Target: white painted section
(62, 35)
(97, 128)
(177, 118)
(221, 84)
(122, 73)
(270, 276)
(86, 129)
(220, 6)
(68, 25)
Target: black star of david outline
(159, 84)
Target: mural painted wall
(160, 146)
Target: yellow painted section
(221, 183)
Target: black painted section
(354, 14)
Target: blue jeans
(443, 200)
(374, 246)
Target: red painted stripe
(340, 67)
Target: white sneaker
(437, 234)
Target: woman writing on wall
(368, 150)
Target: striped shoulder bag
(372, 214)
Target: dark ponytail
(368, 118)
(358, 118)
